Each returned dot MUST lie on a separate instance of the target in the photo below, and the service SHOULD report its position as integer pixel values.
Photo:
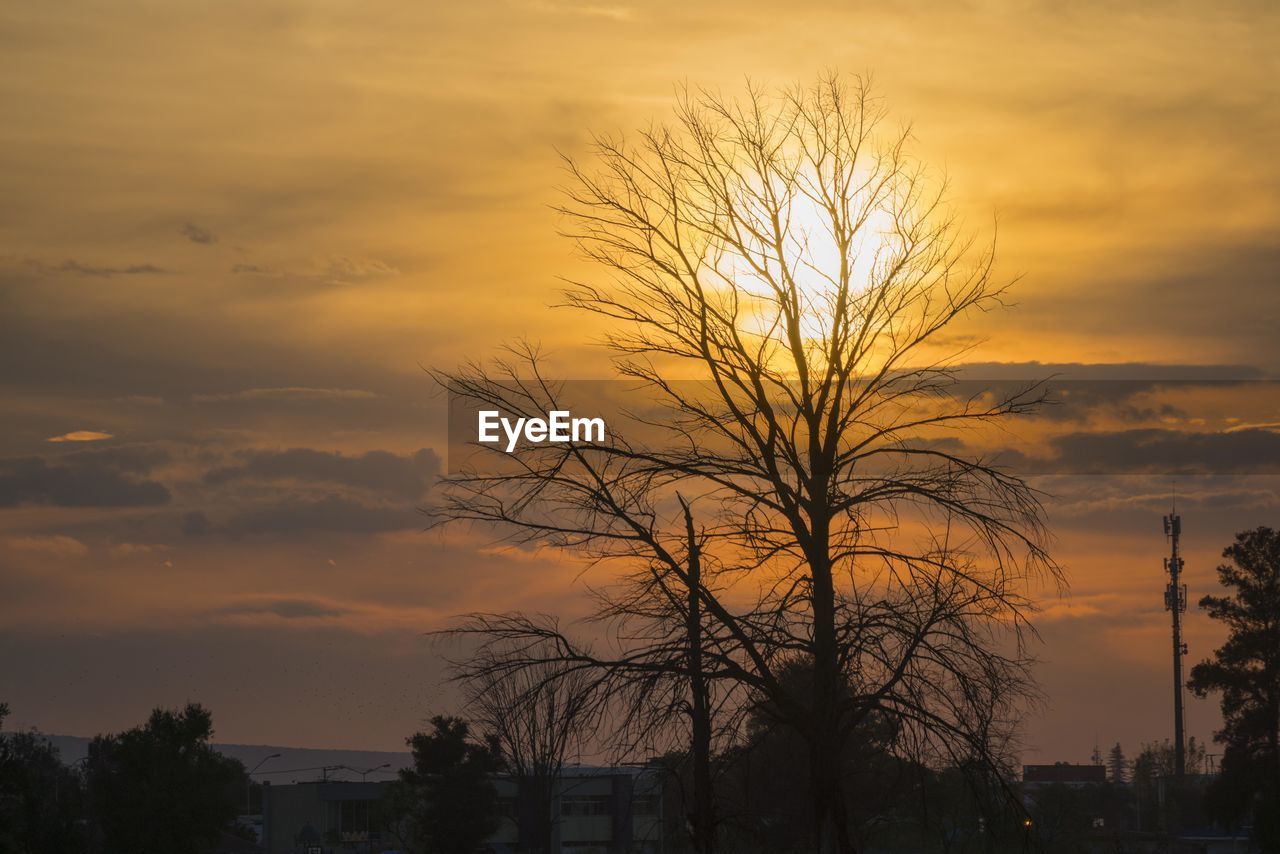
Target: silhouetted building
(320, 817)
(596, 810)
(1063, 772)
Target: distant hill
(296, 764)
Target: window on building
(586, 805)
(350, 815)
(355, 820)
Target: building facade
(1063, 772)
(594, 811)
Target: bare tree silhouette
(538, 717)
(659, 678)
(794, 261)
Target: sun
(821, 267)
(785, 255)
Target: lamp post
(248, 785)
(375, 768)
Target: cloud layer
(230, 275)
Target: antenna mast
(1175, 601)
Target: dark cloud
(1070, 400)
(80, 269)
(337, 270)
(128, 458)
(1124, 391)
(328, 513)
(290, 393)
(1150, 451)
(80, 354)
(1155, 451)
(343, 269)
(197, 234)
(1248, 451)
(255, 270)
(294, 492)
(379, 471)
(1127, 371)
(75, 481)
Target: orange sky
(231, 230)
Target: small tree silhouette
(447, 801)
(1246, 670)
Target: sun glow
(809, 264)
(817, 255)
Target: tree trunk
(825, 741)
(702, 823)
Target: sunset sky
(234, 234)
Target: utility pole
(248, 781)
(1175, 601)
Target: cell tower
(1175, 601)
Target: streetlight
(371, 770)
(248, 785)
